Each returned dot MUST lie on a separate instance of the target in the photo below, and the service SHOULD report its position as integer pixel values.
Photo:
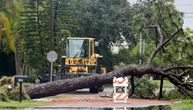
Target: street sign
(52, 56)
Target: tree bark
(132, 86)
(17, 56)
(67, 85)
(161, 87)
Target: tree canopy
(152, 30)
(44, 25)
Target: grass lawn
(166, 84)
(183, 105)
(25, 84)
(24, 104)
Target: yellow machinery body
(81, 58)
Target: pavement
(82, 99)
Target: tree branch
(178, 67)
(161, 44)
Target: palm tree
(5, 25)
(8, 25)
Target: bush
(3, 94)
(145, 89)
(173, 94)
(12, 93)
(5, 80)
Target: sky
(185, 6)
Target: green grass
(25, 84)
(183, 105)
(23, 104)
(166, 84)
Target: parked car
(45, 78)
(190, 80)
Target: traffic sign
(52, 56)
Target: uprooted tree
(67, 85)
(168, 29)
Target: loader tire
(94, 89)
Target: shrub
(145, 89)
(173, 94)
(14, 94)
(7, 94)
(5, 80)
(3, 94)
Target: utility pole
(51, 31)
(141, 48)
(51, 24)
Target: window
(77, 48)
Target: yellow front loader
(81, 59)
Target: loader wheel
(94, 89)
(101, 89)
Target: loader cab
(82, 48)
(78, 48)
(80, 56)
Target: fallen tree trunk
(67, 85)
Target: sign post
(52, 57)
(20, 79)
(20, 93)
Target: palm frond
(6, 23)
(0, 33)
